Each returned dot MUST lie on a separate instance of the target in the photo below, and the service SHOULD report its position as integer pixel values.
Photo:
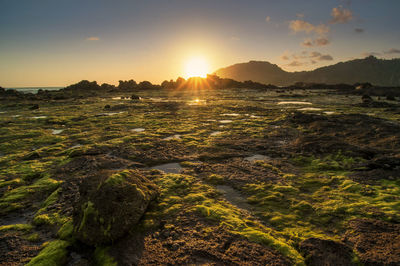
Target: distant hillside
(370, 69)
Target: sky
(57, 43)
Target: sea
(34, 89)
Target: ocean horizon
(34, 89)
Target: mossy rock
(110, 204)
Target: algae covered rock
(110, 204)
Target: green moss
(195, 197)
(332, 162)
(43, 219)
(53, 253)
(16, 227)
(66, 230)
(102, 258)
(351, 186)
(13, 182)
(88, 211)
(43, 186)
(285, 189)
(303, 206)
(215, 179)
(33, 237)
(230, 218)
(52, 198)
(261, 237)
(117, 178)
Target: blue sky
(55, 43)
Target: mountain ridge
(383, 72)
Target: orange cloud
(322, 41)
(303, 26)
(341, 15)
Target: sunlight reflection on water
(293, 102)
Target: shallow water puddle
(309, 109)
(76, 146)
(257, 157)
(177, 136)
(39, 117)
(215, 133)
(139, 129)
(110, 114)
(156, 99)
(197, 102)
(329, 113)
(169, 168)
(234, 197)
(56, 131)
(225, 121)
(293, 102)
(234, 114)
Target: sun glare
(196, 67)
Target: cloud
(92, 38)
(307, 43)
(285, 56)
(392, 51)
(359, 30)
(315, 54)
(268, 19)
(341, 15)
(235, 38)
(300, 15)
(303, 26)
(306, 58)
(326, 57)
(295, 63)
(321, 41)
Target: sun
(196, 67)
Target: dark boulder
(34, 107)
(390, 98)
(366, 98)
(325, 252)
(110, 204)
(135, 97)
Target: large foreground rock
(110, 204)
